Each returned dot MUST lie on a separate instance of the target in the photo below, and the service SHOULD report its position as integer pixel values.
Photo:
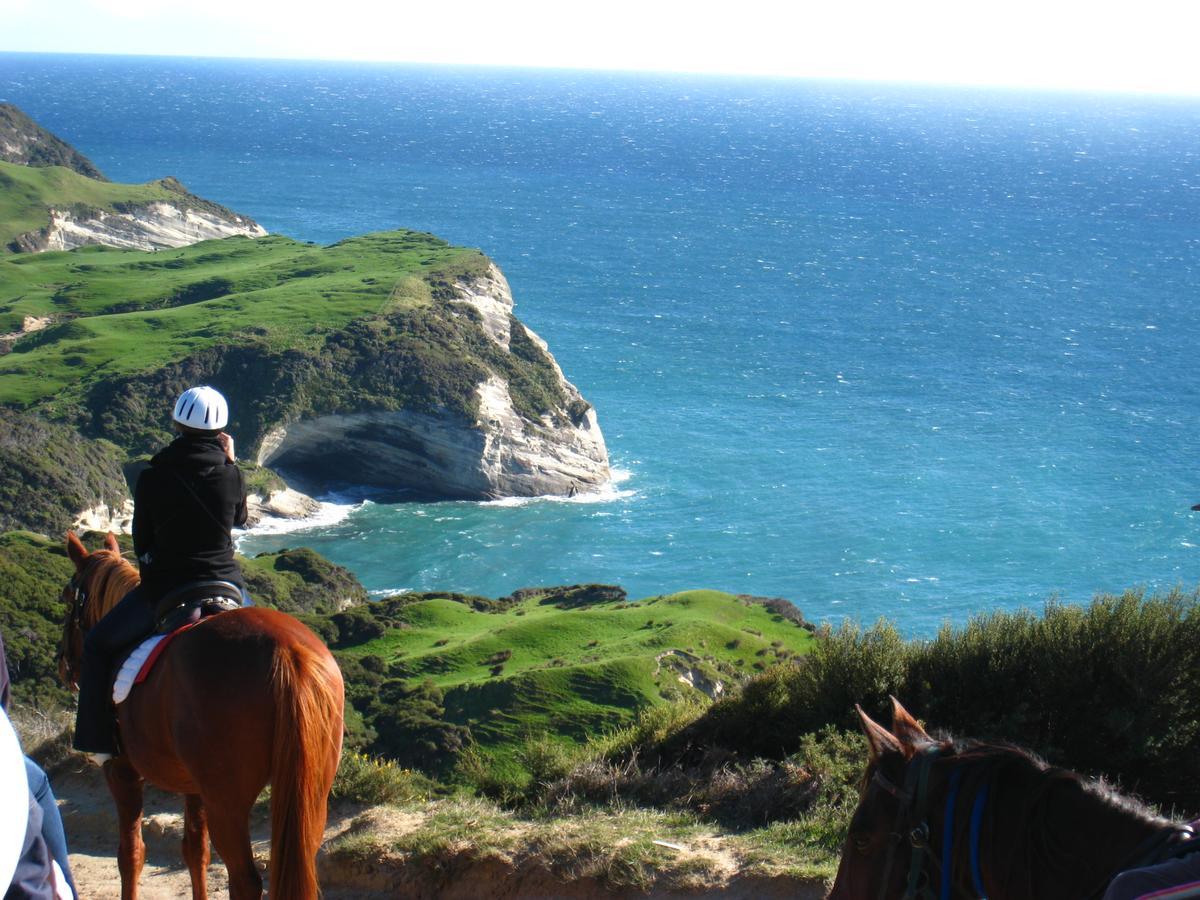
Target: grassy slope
(282, 291)
(577, 672)
(27, 194)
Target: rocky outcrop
(117, 518)
(155, 226)
(26, 143)
(285, 504)
(500, 453)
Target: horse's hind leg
(195, 845)
(230, 830)
(125, 784)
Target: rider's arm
(239, 515)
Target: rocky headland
(496, 453)
(70, 203)
(390, 362)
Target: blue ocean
(893, 351)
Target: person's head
(200, 410)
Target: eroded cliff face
(155, 226)
(499, 454)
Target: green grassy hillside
(47, 474)
(121, 312)
(285, 329)
(27, 194)
(568, 664)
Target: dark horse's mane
(996, 819)
(1057, 823)
(1000, 758)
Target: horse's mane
(999, 759)
(107, 579)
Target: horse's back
(207, 710)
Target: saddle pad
(138, 664)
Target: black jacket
(184, 506)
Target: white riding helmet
(202, 408)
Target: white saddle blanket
(129, 669)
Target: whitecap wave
(389, 592)
(328, 514)
(607, 493)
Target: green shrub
(1105, 689)
(365, 779)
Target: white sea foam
(605, 494)
(389, 592)
(328, 514)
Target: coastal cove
(905, 352)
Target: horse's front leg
(125, 784)
(195, 845)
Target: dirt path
(91, 825)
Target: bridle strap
(919, 835)
(78, 588)
(948, 834)
(915, 791)
(976, 828)
(913, 801)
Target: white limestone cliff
(500, 454)
(155, 226)
(117, 519)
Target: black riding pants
(125, 624)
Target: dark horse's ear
(907, 729)
(110, 543)
(76, 551)
(880, 739)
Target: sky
(1142, 46)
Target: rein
(914, 802)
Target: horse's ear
(907, 729)
(75, 550)
(111, 543)
(879, 738)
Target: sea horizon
(881, 349)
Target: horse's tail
(308, 692)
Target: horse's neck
(1070, 840)
(111, 580)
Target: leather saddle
(193, 601)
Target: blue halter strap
(947, 888)
(948, 835)
(976, 825)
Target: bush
(49, 474)
(1105, 689)
(365, 779)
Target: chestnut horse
(940, 819)
(243, 699)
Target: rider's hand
(227, 446)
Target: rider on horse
(185, 505)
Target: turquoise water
(879, 350)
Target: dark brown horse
(942, 819)
(243, 699)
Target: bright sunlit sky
(1142, 46)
